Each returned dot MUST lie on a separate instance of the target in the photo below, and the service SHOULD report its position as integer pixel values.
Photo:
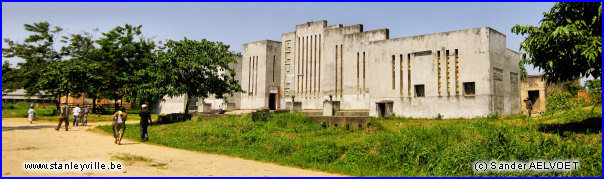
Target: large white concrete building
(465, 73)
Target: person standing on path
(31, 113)
(84, 115)
(76, 114)
(119, 121)
(63, 116)
(144, 123)
(529, 105)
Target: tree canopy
(197, 69)
(121, 63)
(568, 42)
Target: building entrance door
(534, 97)
(272, 101)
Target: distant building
(464, 73)
(535, 87)
(20, 95)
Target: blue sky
(238, 23)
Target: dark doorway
(534, 97)
(381, 109)
(272, 101)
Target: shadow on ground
(27, 127)
(590, 125)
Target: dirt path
(39, 142)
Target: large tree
(196, 69)
(125, 51)
(39, 56)
(568, 42)
(86, 58)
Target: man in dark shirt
(145, 121)
(529, 105)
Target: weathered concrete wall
(504, 65)
(356, 67)
(170, 105)
(537, 83)
(257, 72)
(421, 54)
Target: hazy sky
(238, 23)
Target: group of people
(80, 116)
(118, 125)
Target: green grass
(20, 109)
(45, 113)
(395, 146)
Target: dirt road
(39, 142)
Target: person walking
(119, 121)
(63, 116)
(84, 115)
(31, 113)
(76, 114)
(144, 123)
(529, 105)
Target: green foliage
(196, 68)
(494, 116)
(39, 55)
(573, 86)
(430, 148)
(522, 70)
(125, 51)
(594, 88)
(20, 109)
(568, 44)
(562, 100)
(11, 78)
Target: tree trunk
(58, 105)
(115, 106)
(94, 105)
(187, 105)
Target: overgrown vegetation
(20, 109)
(395, 146)
(45, 113)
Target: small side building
(535, 87)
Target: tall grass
(20, 109)
(392, 147)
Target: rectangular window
(319, 63)
(358, 87)
(393, 71)
(438, 61)
(341, 70)
(249, 76)
(306, 66)
(419, 90)
(364, 89)
(456, 72)
(401, 73)
(409, 74)
(315, 68)
(447, 56)
(336, 89)
(298, 72)
(273, 68)
(256, 78)
(468, 89)
(310, 65)
(513, 77)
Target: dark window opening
(468, 89)
(419, 91)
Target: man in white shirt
(31, 113)
(76, 114)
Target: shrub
(560, 100)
